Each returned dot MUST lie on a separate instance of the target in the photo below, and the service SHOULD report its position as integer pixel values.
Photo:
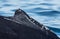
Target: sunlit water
(46, 12)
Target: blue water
(46, 12)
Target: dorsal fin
(20, 11)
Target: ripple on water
(48, 13)
(7, 5)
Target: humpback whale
(22, 26)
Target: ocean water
(47, 12)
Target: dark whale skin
(22, 26)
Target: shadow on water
(47, 4)
(38, 8)
(54, 29)
(48, 13)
